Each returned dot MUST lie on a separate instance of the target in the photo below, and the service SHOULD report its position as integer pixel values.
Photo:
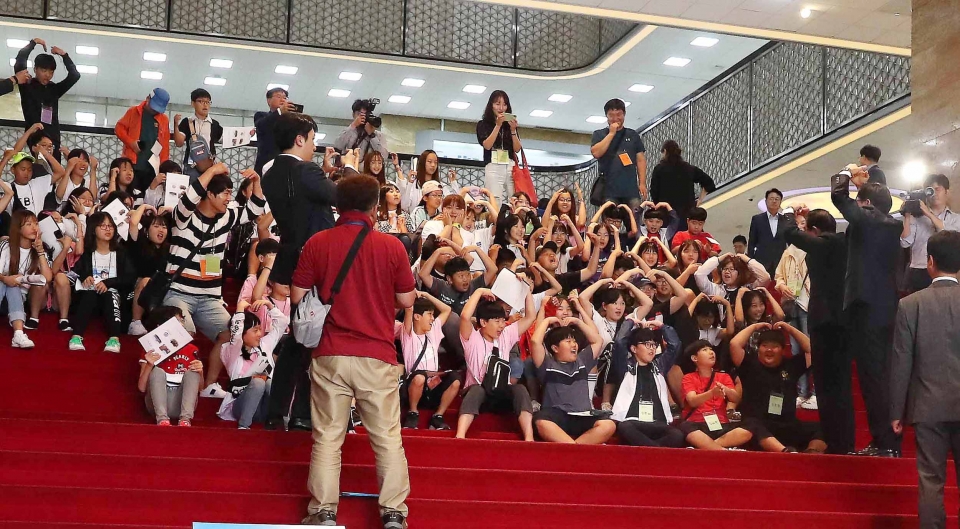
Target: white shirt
(921, 229)
(774, 221)
(945, 278)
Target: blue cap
(158, 100)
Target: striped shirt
(192, 229)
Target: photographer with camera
(363, 134)
(925, 212)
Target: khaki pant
(335, 381)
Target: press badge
(46, 115)
(775, 407)
(646, 411)
(209, 266)
(625, 159)
(500, 156)
(713, 422)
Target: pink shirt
(411, 344)
(476, 350)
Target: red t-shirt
(176, 364)
(705, 239)
(361, 320)
(697, 384)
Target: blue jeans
(251, 405)
(14, 297)
(804, 388)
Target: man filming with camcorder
(364, 133)
(925, 212)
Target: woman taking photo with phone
(497, 132)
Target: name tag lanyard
(711, 417)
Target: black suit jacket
(827, 264)
(266, 148)
(876, 175)
(763, 245)
(873, 253)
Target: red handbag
(522, 181)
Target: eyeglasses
(728, 269)
(650, 344)
(204, 102)
(565, 200)
(435, 195)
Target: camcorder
(368, 106)
(911, 201)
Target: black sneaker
(65, 326)
(323, 517)
(411, 420)
(355, 417)
(436, 423)
(300, 424)
(790, 450)
(273, 423)
(31, 324)
(393, 520)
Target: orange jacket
(128, 130)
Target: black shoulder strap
(416, 364)
(614, 146)
(194, 252)
(709, 383)
(351, 255)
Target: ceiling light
(288, 70)
(221, 63)
(214, 81)
(14, 62)
(560, 98)
(642, 88)
(805, 12)
(597, 119)
(350, 76)
(399, 99)
(626, 103)
(147, 74)
(676, 61)
(410, 81)
(86, 118)
(86, 68)
(336, 92)
(154, 57)
(914, 171)
(17, 43)
(459, 105)
(704, 42)
(319, 136)
(541, 113)
(271, 86)
(88, 50)
(474, 89)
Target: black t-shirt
(445, 292)
(504, 140)
(568, 281)
(147, 259)
(759, 382)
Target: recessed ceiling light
(214, 81)
(642, 88)
(541, 113)
(676, 61)
(221, 63)
(474, 89)
(154, 56)
(86, 68)
(410, 81)
(147, 74)
(704, 42)
(399, 99)
(86, 118)
(626, 103)
(336, 92)
(29, 63)
(88, 50)
(597, 119)
(459, 105)
(271, 86)
(805, 12)
(560, 98)
(17, 43)
(350, 76)
(288, 70)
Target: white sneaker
(21, 340)
(136, 328)
(213, 391)
(800, 401)
(810, 404)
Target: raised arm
(590, 332)
(670, 260)
(599, 213)
(466, 315)
(426, 268)
(587, 295)
(611, 264)
(555, 286)
(537, 350)
(529, 314)
(840, 196)
(702, 277)
(778, 314)
(802, 339)
(738, 305)
(644, 303)
(738, 345)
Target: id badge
(500, 156)
(713, 422)
(46, 115)
(775, 407)
(625, 159)
(646, 411)
(209, 266)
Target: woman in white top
(22, 260)
(735, 271)
(428, 169)
(76, 174)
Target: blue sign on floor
(203, 525)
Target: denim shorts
(207, 315)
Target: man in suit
(766, 243)
(264, 123)
(300, 197)
(826, 263)
(925, 370)
(870, 297)
(869, 158)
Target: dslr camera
(368, 106)
(911, 201)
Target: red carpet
(78, 450)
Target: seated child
(171, 391)
(425, 385)
(258, 289)
(706, 393)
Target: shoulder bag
(497, 376)
(522, 181)
(312, 311)
(598, 193)
(152, 295)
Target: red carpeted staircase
(78, 449)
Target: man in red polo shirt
(356, 357)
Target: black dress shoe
(300, 424)
(273, 424)
(873, 451)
